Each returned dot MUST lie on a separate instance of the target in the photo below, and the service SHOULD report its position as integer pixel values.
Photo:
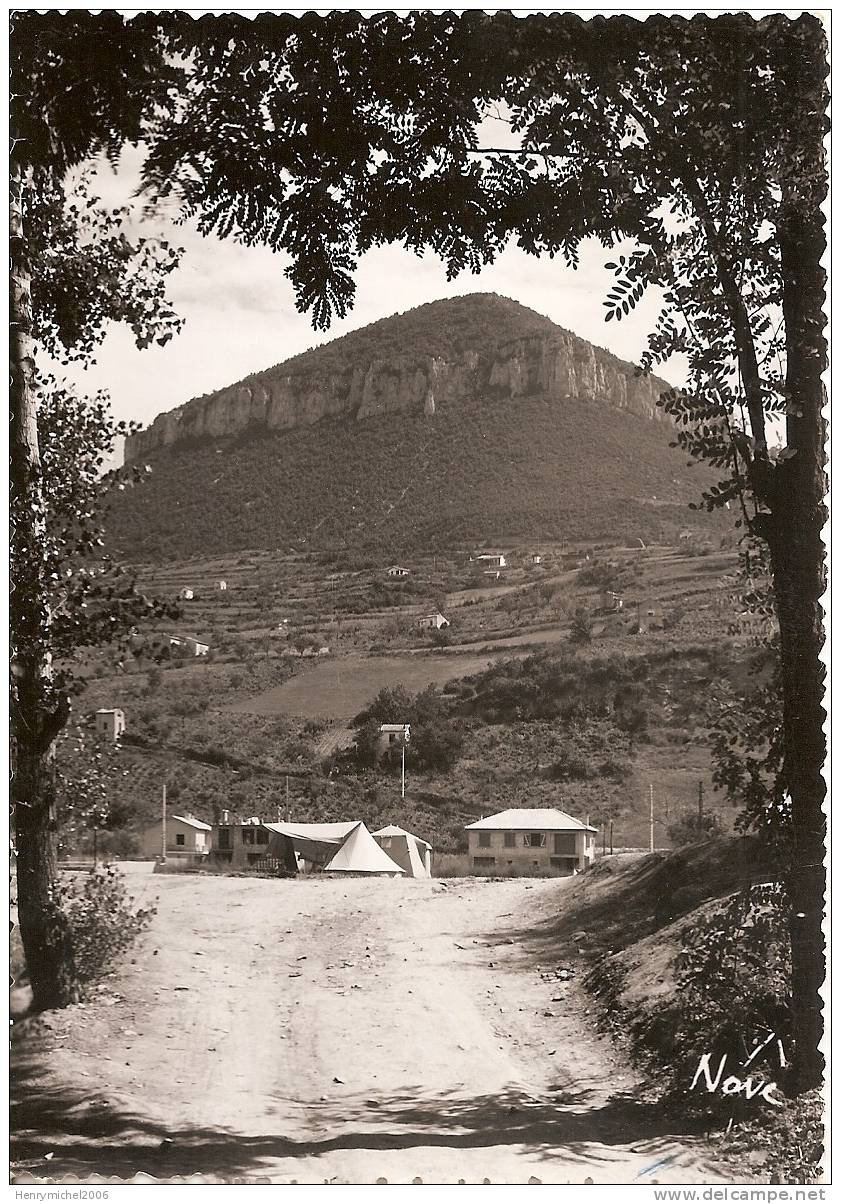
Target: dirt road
(346, 1031)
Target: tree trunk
(43, 927)
(36, 716)
(797, 559)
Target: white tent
(360, 854)
(408, 850)
(342, 847)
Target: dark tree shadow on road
(88, 1135)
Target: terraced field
(339, 689)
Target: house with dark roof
(531, 838)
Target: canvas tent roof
(360, 854)
(393, 830)
(314, 842)
(520, 819)
(332, 833)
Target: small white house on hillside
(397, 570)
(531, 838)
(110, 722)
(187, 642)
(495, 559)
(393, 734)
(435, 620)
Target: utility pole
(700, 804)
(611, 838)
(163, 823)
(403, 744)
(651, 818)
(288, 812)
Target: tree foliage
(89, 273)
(73, 270)
(436, 739)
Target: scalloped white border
(44, 1189)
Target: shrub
(101, 921)
(314, 727)
(691, 828)
(734, 979)
(570, 765)
(581, 628)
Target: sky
(240, 317)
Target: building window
(248, 836)
(484, 840)
(224, 838)
(510, 840)
(179, 839)
(262, 836)
(535, 840)
(483, 862)
(565, 843)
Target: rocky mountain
(461, 420)
(440, 354)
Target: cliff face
(557, 365)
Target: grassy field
(339, 689)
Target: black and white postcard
(418, 553)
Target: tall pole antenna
(163, 823)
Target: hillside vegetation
(520, 715)
(503, 456)
(405, 483)
(674, 978)
(441, 328)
